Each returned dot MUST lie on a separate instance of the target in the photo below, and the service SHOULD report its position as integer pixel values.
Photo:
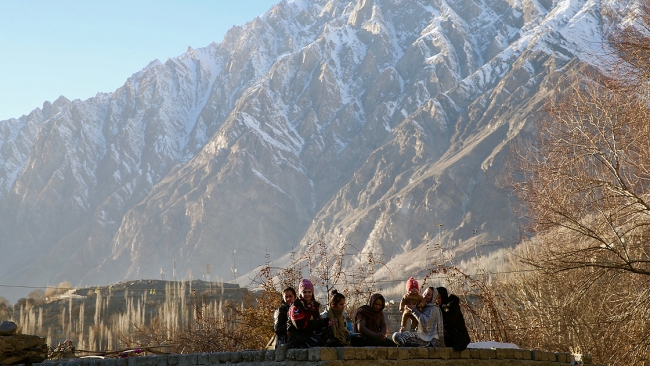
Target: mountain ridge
(366, 122)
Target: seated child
(412, 297)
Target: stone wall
(348, 356)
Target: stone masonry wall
(347, 356)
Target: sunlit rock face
(384, 124)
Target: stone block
(95, 361)
(517, 354)
(161, 360)
(104, 362)
(475, 353)
(122, 361)
(587, 359)
(328, 354)
(248, 356)
(538, 355)
(440, 352)
(222, 357)
(403, 353)
(172, 360)
(345, 353)
(505, 353)
(550, 356)
(236, 357)
(133, 361)
(314, 354)
(184, 360)
(302, 354)
(202, 359)
(382, 353)
(269, 355)
(488, 354)
(322, 354)
(360, 354)
(392, 353)
(526, 354)
(419, 353)
(562, 357)
(260, 356)
(291, 354)
(460, 354)
(191, 359)
(213, 358)
(281, 353)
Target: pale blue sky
(77, 48)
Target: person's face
(307, 294)
(428, 295)
(377, 305)
(289, 297)
(340, 305)
(438, 300)
(414, 290)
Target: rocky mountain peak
(368, 122)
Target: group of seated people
(436, 321)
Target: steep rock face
(369, 122)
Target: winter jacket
(304, 322)
(411, 299)
(456, 335)
(431, 323)
(281, 316)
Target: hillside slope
(368, 122)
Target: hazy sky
(77, 48)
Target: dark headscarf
(373, 316)
(444, 295)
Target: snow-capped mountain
(369, 122)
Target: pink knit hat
(412, 283)
(305, 284)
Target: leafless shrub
(37, 297)
(484, 307)
(570, 311)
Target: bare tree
(584, 180)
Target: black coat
(456, 335)
(280, 325)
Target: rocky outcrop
(20, 348)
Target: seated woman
(305, 326)
(371, 323)
(430, 329)
(281, 316)
(338, 334)
(456, 335)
